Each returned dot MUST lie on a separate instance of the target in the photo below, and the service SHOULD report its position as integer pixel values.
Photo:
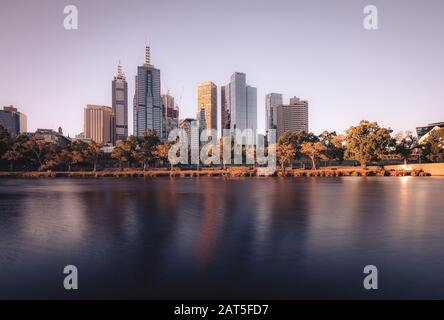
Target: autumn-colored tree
(367, 142)
(161, 152)
(433, 148)
(12, 156)
(5, 141)
(314, 151)
(40, 152)
(405, 145)
(285, 153)
(124, 151)
(65, 157)
(92, 154)
(334, 145)
(147, 147)
(296, 139)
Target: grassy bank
(231, 172)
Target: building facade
(292, 117)
(207, 99)
(147, 99)
(272, 101)
(423, 131)
(225, 107)
(99, 124)
(120, 104)
(170, 111)
(190, 125)
(13, 121)
(239, 104)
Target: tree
(5, 141)
(124, 151)
(39, 151)
(148, 146)
(434, 146)
(334, 145)
(296, 139)
(161, 152)
(92, 153)
(314, 150)
(405, 145)
(12, 156)
(285, 153)
(367, 142)
(65, 157)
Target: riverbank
(230, 172)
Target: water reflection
(219, 238)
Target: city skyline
(363, 75)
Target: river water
(219, 238)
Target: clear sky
(314, 49)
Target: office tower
(147, 100)
(225, 107)
(292, 117)
(272, 100)
(13, 121)
(187, 125)
(207, 99)
(170, 114)
(23, 120)
(202, 120)
(251, 108)
(99, 124)
(240, 102)
(120, 103)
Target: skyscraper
(225, 107)
(13, 121)
(272, 100)
(240, 103)
(120, 103)
(170, 114)
(207, 99)
(147, 99)
(99, 124)
(292, 117)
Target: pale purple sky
(314, 49)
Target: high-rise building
(272, 100)
(207, 99)
(292, 117)
(23, 120)
(147, 99)
(240, 103)
(99, 124)
(225, 107)
(188, 125)
(120, 103)
(13, 121)
(170, 115)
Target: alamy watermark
(203, 146)
(71, 281)
(71, 21)
(371, 18)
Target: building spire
(120, 73)
(119, 70)
(147, 55)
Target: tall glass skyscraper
(120, 103)
(272, 101)
(147, 99)
(239, 104)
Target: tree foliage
(367, 142)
